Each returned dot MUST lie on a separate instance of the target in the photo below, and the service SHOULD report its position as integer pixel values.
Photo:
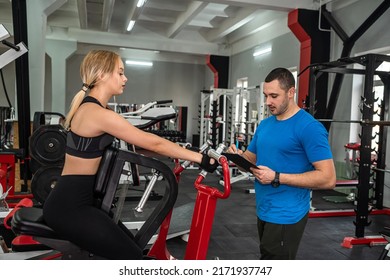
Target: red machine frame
(202, 218)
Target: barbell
(362, 122)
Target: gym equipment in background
(47, 151)
(369, 197)
(8, 156)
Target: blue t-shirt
(288, 146)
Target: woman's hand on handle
(208, 164)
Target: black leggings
(70, 212)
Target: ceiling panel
(161, 23)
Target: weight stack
(47, 151)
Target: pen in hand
(233, 149)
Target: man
(292, 153)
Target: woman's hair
(94, 65)
(284, 77)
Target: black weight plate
(47, 144)
(44, 180)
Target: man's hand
(234, 150)
(263, 174)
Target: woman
(91, 128)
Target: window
(242, 83)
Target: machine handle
(179, 168)
(214, 154)
(8, 44)
(212, 191)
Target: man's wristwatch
(276, 183)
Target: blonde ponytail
(94, 65)
(77, 99)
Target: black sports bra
(87, 147)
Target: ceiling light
(131, 25)
(139, 63)
(140, 3)
(262, 51)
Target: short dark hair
(283, 75)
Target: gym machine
(47, 151)
(173, 130)
(149, 115)
(28, 220)
(203, 214)
(48, 144)
(368, 170)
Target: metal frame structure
(235, 117)
(211, 122)
(370, 62)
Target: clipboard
(240, 161)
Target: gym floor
(234, 234)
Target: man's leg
(280, 242)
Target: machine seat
(29, 221)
